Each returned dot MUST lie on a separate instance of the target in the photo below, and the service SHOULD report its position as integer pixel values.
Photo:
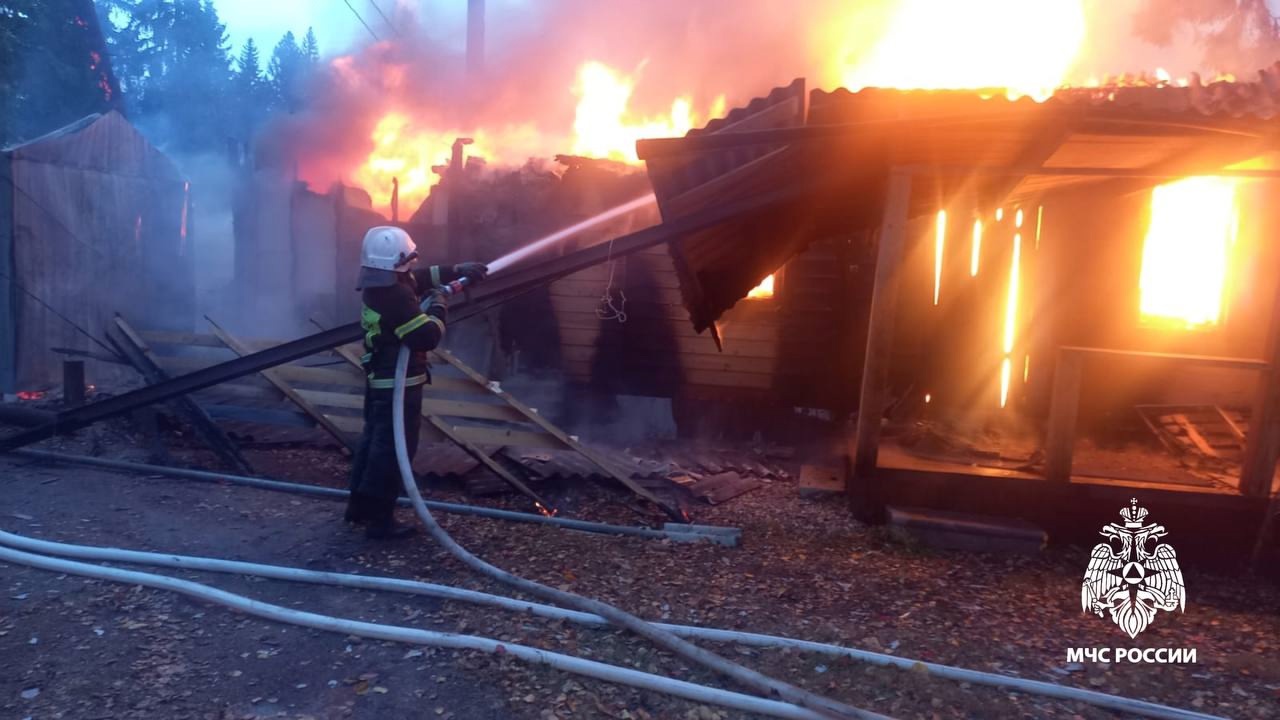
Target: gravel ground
(77, 648)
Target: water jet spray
(542, 243)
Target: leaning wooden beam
(139, 354)
(471, 449)
(860, 482)
(239, 348)
(564, 438)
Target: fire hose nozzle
(449, 289)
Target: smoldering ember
(650, 360)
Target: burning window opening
(940, 241)
(1017, 218)
(1039, 224)
(1000, 214)
(977, 248)
(1186, 251)
(762, 291)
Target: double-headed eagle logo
(1130, 582)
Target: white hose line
(446, 592)
(664, 639)
(415, 636)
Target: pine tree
(248, 65)
(175, 63)
(311, 48)
(249, 90)
(286, 73)
(54, 66)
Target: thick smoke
(1237, 36)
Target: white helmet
(388, 248)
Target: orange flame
(1026, 47)
(1010, 318)
(977, 248)
(763, 290)
(939, 243)
(603, 125)
(1186, 252)
(406, 147)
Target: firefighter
(402, 306)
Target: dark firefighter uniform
(392, 316)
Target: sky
(336, 25)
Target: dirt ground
(77, 648)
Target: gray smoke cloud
(1237, 36)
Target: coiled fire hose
(757, 682)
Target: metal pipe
(671, 531)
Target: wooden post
(73, 383)
(860, 480)
(1257, 470)
(1262, 445)
(1064, 406)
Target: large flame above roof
(1024, 46)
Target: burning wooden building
(1022, 283)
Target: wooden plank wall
(796, 347)
(656, 351)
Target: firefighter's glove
(474, 272)
(436, 303)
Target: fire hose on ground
(550, 612)
(415, 636)
(664, 639)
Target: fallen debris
(725, 486)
